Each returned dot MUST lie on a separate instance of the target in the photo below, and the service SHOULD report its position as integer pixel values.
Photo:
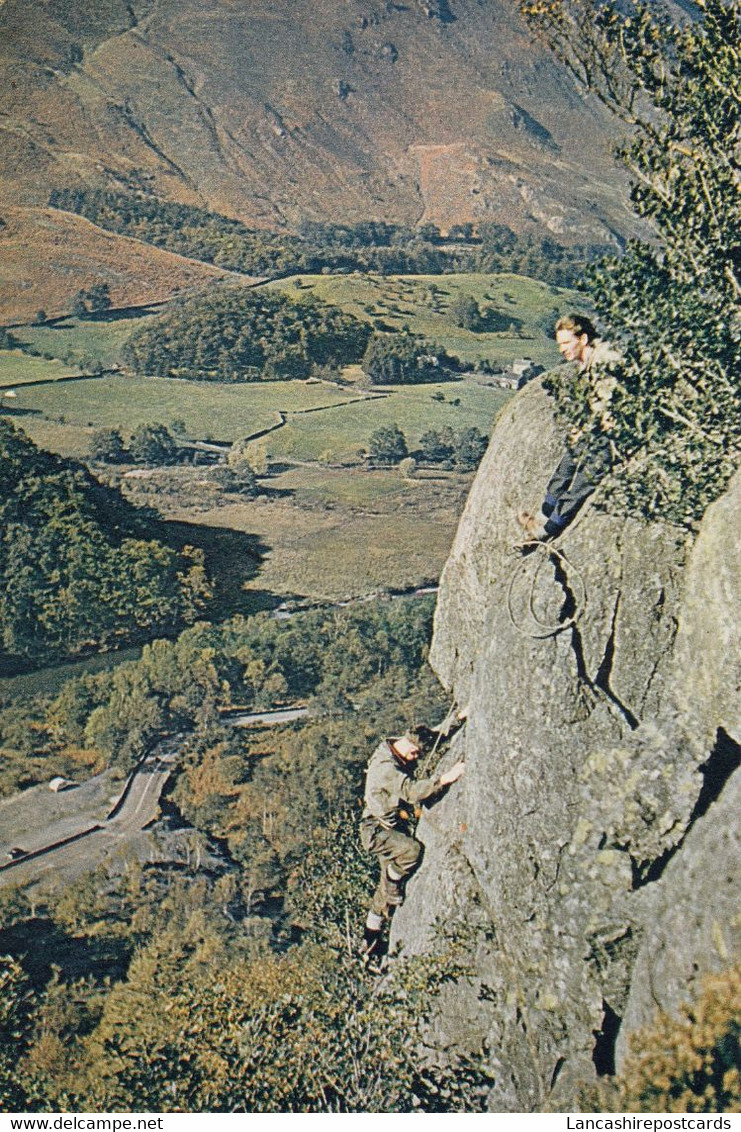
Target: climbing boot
(371, 941)
(372, 949)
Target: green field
(339, 434)
(423, 302)
(83, 342)
(17, 368)
(323, 422)
(208, 409)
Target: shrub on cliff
(673, 304)
(690, 1063)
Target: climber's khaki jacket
(389, 783)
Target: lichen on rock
(601, 771)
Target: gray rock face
(580, 848)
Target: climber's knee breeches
(392, 847)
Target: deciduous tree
(388, 445)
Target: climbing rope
(428, 763)
(547, 552)
(541, 554)
(443, 730)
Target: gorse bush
(689, 1063)
(673, 305)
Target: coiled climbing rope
(540, 554)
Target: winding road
(70, 849)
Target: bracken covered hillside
(277, 110)
(592, 848)
(47, 255)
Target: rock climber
(583, 464)
(391, 795)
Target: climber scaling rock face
(391, 796)
(583, 465)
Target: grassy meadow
(327, 526)
(82, 342)
(17, 368)
(209, 410)
(339, 435)
(423, 303)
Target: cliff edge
(590, 856)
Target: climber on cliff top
(391, 795)
(582, 466)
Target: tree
(257, 458)
(394, 359)
(388, 445)
(466, 313)
(99, 298)
(244, 453)
(672, 305)
(469, 447)
(79, 305)
(434, 448)
(462, 232)
(107, 446)
(429, 232)
(75, 570)
(152, 444)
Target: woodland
(369, 246)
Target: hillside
(276, 112)
(33, 238)
(592, 848)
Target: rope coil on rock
(552, 551)
(543, 552)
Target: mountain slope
(48, 256)
(278, 110)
